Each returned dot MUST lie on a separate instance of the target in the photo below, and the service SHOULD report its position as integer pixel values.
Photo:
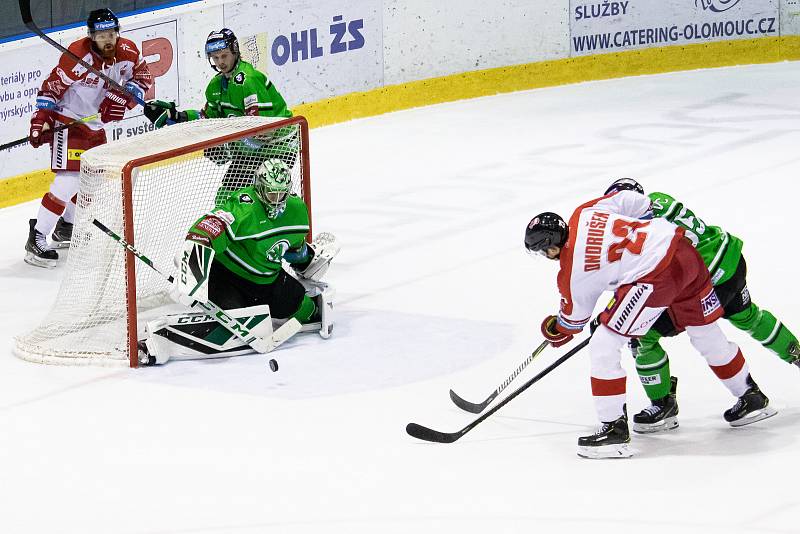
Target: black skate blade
(428, 434)
(754, 417)
(468, 406)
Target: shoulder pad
(127, 50)
(226, 216)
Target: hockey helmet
(625, 184)
(220, 40)
(101, 20)
(545, 230)
(273, 184)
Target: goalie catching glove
(313, 261)
(191, 282)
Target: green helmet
(273, 183)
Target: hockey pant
(652, 362)
(309, 301)
(285, 296)
(608, 377)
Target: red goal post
(150, 189)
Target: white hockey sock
(724, 357)
(63, 188)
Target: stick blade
(428, 434)
(25, 11)
(468, 406)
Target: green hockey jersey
(246, 241)
(246, 92)
(720, 250)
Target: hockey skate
(62, 235)
(610, 441)
(794, 350)
(145, 360)
(751, 407)
(38, 252)
(661, 415)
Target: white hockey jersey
(78, 92)
(611, 242)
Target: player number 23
(633, 242)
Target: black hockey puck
(273, 364)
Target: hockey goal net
(149, 189)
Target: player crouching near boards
(234, 257)
(651, 267)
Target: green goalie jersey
(246, 92)
(720, 250)
(246, 241)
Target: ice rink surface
(435, 292)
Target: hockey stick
(478, 408)
(428, 434)
(262, 345)
(54, 130)
(27, 20)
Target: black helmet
(546, 230)
(221, 40)
(102, 19)
(625, 184)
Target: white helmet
(273, 184)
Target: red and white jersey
(78, 92)
(609, 245)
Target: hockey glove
(42, 124)
(161, 113)
(552, 334)
(113, 106)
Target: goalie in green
(250, 257)
(722, 254)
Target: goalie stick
(479, 407)
(428, 434)
(262, 345)
(27, 20)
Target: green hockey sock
(652, 365)
(766, 329)
(306, 310)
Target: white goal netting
(155, 185)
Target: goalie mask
(273, 183)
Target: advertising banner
(22, 73)
(612, 26)
(312, 50)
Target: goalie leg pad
(195, 336)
